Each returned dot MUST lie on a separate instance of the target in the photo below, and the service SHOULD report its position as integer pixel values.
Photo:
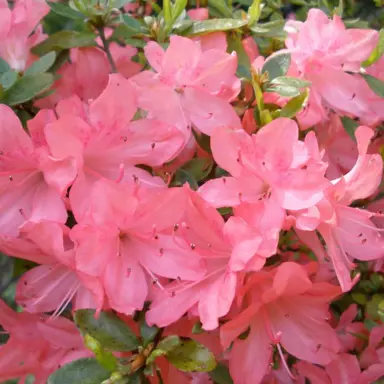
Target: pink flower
(282, 307)
(104, 143)
(272, 164)
(17, 30)
(88, 71)
(348, 232)
(193, 83)
(30, 184)
(130, 231)
(323, 51)
(37, 345)
(56, 282)
(228, 249)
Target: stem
(106, 49)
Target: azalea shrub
(191, 192)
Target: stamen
(121, 174)
(282, 357)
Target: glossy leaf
(191, 356)
(83, 371)
(377, 52)
(178, 8)
(4, 66)
(295, 105)
(215, 25)
(375, 84)
(148, 334)
(277, 65)
(254, 12)
(291, 81)
(112, 333)
(350, 126)
(6, 268)
(165, 346)
(199, 167)
(220, 7)
(221, 375)
(64, 40)
(42, 65)
(243, 63)
(105, 358)
(66, 11)
(7, 79)
(27, 88)
(284, 90)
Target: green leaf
(199, 167)
(132, 25)
(254, 12)
(6, 268)
(214, 25)
(221, 375)
(165, 346)
(203, 140)
(27, 88)
(339, 10)
(7, 79)
(42, 65)
(220, 7)
(294, 106)
(178, 8)
(83, 371)
(167, 12)
(271, 29)
(183, 176)
(284, 90)
(375, 84)
(4, 66)
(350, 126)
(109, 330)
(148, 333)
(64, 40)
(65, 11)
(277, 65)
(377, 52)
(105, 358)
(191, 356)
(243, 63)
(372, 307)
(197, 328)
(291, 81)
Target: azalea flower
(37, 345)
(131, 234)
(32, 183)
(228, 249)
(195, 84)
(325, 52)
(272, 164)
(103, 142)
(282, 308)
(20, 31)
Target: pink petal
(115, 107)
(155, 55)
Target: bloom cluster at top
(110, 192)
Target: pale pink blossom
(130, 231)
(103, 141)
(196, 85)
(19, 30)
(324, 51)
(272, 164)
(348, 232)
(282, 307)
(37, 345)
(32, 183)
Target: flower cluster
(193, 181)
